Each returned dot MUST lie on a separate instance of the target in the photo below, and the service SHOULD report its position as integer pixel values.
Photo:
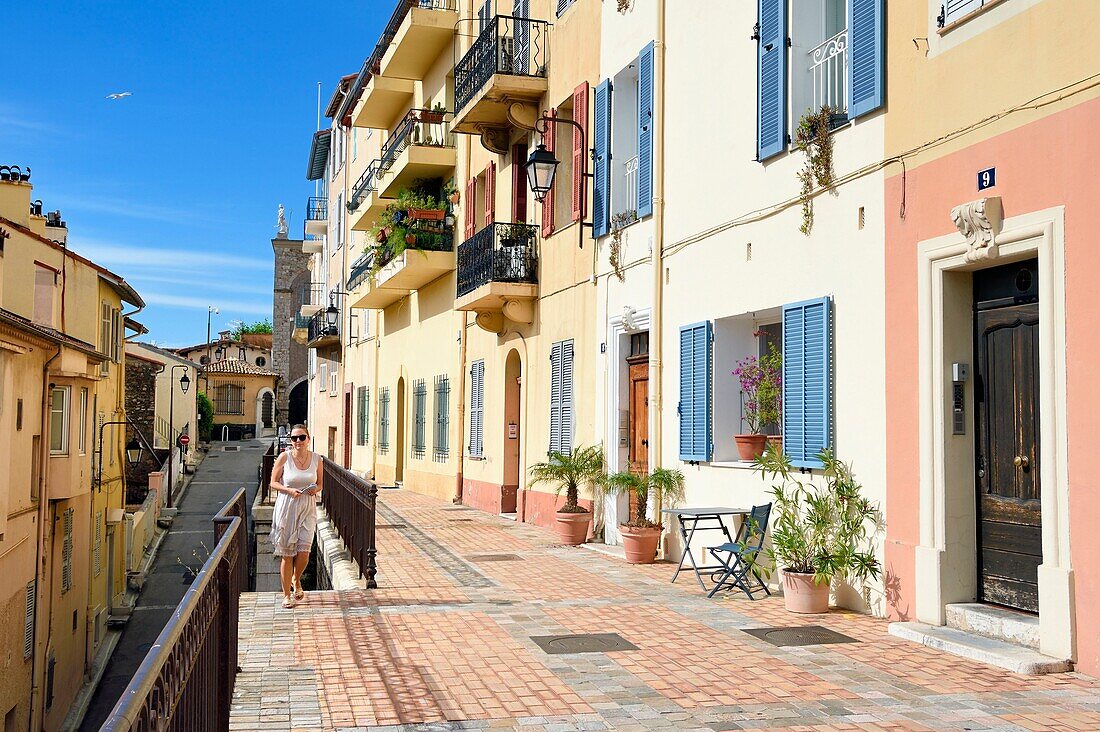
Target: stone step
(998, 623)
(1014, 658)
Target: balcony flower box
(426, 214)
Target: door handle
(1021, 461)
(645, 443)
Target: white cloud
(226, 284)
(200, 303)
(130, 257)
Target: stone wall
(289, 359)
(141, 403)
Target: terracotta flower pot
(802, 595)
(426, 214)
(572, 528)
(750, 447)
(640, 544)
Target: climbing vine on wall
(813, 139)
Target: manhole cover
(583, 643)
(231, 448)
(392, 526)
(495, 558)
(806, 635)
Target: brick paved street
(445, 643)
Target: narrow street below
(450, 640)
(226, 468)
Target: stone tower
(289, 358)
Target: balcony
(320, 334)
(300, 334)
(383, 99)
(498, 274)
(499, 82)
(365, 202)
(429, 256)
(311, 298)
(316, 216)
(424, 33)
(420, 147)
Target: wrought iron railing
(829, 73)
(267, 464)
(312, 293)
(426, 127)
(186, 680)
(317, 208)
(498, 253)
(367, 184)
(507, 45)
(301, 321)
(320, 328)
(351, 503)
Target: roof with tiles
(238, 367)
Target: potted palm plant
(640, 535)
(819, 532)
(761, 383)
(570, 472)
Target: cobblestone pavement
(445, 643)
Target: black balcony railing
(424, 127)
(186, 680)
(312, 293)
(508, 45)
(498, 253)
(367, 184)
(317, 208)
(320, 328)
(351, 505)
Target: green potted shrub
(569, 473)
(640, 535)
(819, 532)
(761, 381)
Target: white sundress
(294, 520)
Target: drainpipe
(42, 558)
(461, 407)
(656, 340)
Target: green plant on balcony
(619, 222)
(813, 139)
(395, 230)
(516, 235)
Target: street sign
(184, 440)
(987, 178)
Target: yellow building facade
(61, 551)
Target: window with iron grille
(361, 434)
(420, 418)
(442, 418)
(66, 550)
(229, 398)
(384, 420)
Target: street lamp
(133, 448)
(332, 313)
(218, 353)
(133, 451)
(541, 167)
(184, 383)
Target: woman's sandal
(288, 601)
(299, 594)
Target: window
(28, 619)
(484, 15)
(339, 221)
(383, 420)
(82, 438)
(420, 405)
(563, 5)
(242, 353)
(45, 288)
(229, 399)
(954, 10)
(105, 319)
(66, 550)
(477, 409)
(333, 382)
(736, 338)
(561, 397)
(442, 418)
(267, 410)
(261, 361)
(622, 167)
(322, 380)
(363, 415)
(59, 420)
(204, 360)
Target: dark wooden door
(347, 426)
(1007, 391)
(639, 421)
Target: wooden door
(347, 427)
(1007, 391)
(639, 421)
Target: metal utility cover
(583, 643)
(495, 558)
(806, 635)
(231, 448)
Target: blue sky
(176, 187)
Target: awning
(318, 154)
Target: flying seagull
(119, 95)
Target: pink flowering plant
(761, 383)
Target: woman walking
(296, 477)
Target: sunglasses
(299, 438)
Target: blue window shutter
(695, 390)
(601, 166)
(866, 64)
(771, 82)
(807, 380)
(645, 131)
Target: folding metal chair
(738, 559)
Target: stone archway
(265, 412)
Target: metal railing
(630, 181)
(498, 253)
(301, 321)
(351, 503)
(186, 680)
(319, 327)
(312, 293)
(507, 45)
(267, 464)
(425, 127)
(367, 183)
(317, 208)
(829, 73)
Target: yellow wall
(253, 385)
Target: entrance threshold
(1018, 659)
(514, 516)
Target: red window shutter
(490, 193)
(519, 183)
(471, 201)
(580, 116)
(548, 201)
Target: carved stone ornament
(980, 222)
(629, 324)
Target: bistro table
(708, 518)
